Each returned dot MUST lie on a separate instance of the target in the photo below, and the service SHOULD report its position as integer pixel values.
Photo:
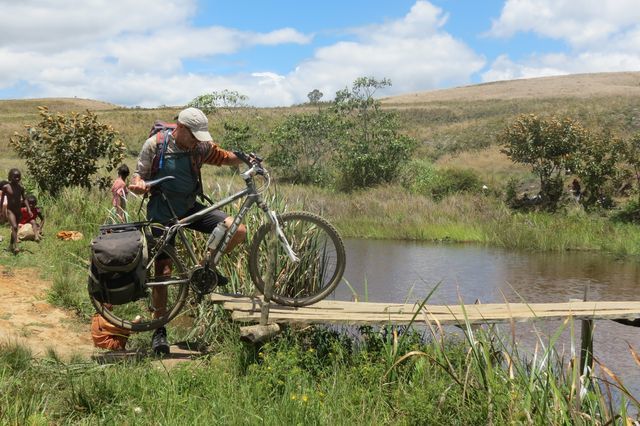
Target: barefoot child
(13, 192)
(3, 204)
(119, 192)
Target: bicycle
(301, 254)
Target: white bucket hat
(197, 122)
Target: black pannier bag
(118, 260)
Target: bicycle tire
(124, 315)
(320, 249)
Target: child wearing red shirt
(31, 215)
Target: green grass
(312, 375)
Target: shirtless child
(14, 193)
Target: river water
(400, 271)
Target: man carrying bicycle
(180, 151)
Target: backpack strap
(197, 159)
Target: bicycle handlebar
(154, 182)
(253, 161)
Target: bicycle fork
(283, 240)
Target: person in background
(3, 206)
(119, 193)
(576, 190)
(31, 215)
(14, 193)
(188, 147)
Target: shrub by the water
(421, 177)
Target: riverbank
(389, 212)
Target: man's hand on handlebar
(250, 159)
(138, 185)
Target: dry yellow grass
(489, 163)
(572, 86)
(448, 121)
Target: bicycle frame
(252, 196)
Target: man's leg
(159, 294)
(159, 343)
(209, 222)
(238, 237)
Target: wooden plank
(248, 309)
(529, 311)
(243, 302)
(381, 319)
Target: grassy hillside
(468, 117)
(447, 123)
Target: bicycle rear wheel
(322, 259)
(138, 315)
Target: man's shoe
(159, 343)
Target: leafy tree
(210, 102)
(596, 163)
(68, 150)
(545, 144)
(314, 96)
(370, 149)
(303, 147)
(238, 136)
(631, 153)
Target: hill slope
(566, 86)
(447, 121)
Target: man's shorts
(205, 225)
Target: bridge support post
(264, 331)
(586, 346)
(586, 340)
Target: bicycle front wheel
(318, 272)
(145, 313)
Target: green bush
(303, 147)
(371, 148)
(451, 181)
(630, 213)
(421, 177)
(69, 150)
(418, 176)
(511, 192)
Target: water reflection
(397, 271)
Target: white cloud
(414, 52)
(580, 23)
(55, 25)
(603, 37)
(97, 50)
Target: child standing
(31, 217)
(3, 204)
(13, 192)
(119, 192)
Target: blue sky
(150, 53)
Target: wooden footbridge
(270, 315)
(250, 310)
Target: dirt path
(28, 319)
